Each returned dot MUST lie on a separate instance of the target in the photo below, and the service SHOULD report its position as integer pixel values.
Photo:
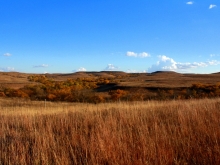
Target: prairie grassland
(169, 132)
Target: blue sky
(65, 36)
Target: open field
(150, 132)
(100, 87)
(157, 79)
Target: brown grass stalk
(169, 132)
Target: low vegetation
(150, 132)
(104, 89)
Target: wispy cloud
(213, 62)
(7, 54)
(7, 69)
(168, 64)
(135, 71)
(133, 54)
(212, 6)
(185, 66)
(131, 71)
(111, 67)
(214, 55)
(189, 3)
(41, 66)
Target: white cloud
(133, 54)
(7, 69)
(81, 69)
(111, 67)
(144, 54)
(165, 63)
(212, 6)
(168, 64)
(41, 66)
(7, 54)
(189, 3)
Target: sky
(65, 36)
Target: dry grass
(172, 132)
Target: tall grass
(169, 132)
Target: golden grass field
(128, 133)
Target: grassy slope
(171, 132)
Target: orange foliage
(51, 97)
(98, 99)
(15, 93)
(117, 94)
(2, 94)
